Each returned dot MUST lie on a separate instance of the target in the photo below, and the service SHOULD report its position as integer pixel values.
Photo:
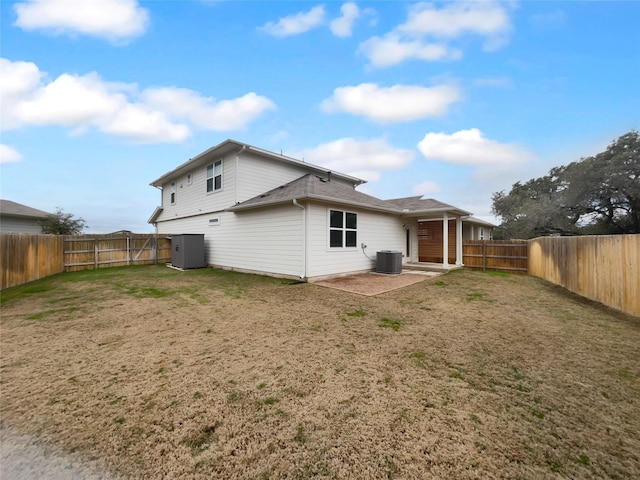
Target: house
(268, 213)
(18, 218)
(475, 228)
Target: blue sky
(453, 100)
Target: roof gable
(233, 147)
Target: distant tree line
(595, 195)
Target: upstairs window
(173, 192)
(343, 229)
(214, 176)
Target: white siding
(266, 240)
(259, 176)
(19, 225)
(193, 199)
(378, 231)
(244, 176)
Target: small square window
(352, 220)
(335, 238)
(336, 220)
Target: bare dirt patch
(147, 372)
(375, 283)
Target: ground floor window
(343, 229)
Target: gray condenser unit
(187, 250)
(389, 261)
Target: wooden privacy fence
(604, 268)
(26, 257)
(502, 255)
(83, 252)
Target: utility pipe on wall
(304, 238)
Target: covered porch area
(434, 244)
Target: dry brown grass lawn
(153, 373)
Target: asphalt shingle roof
(7, 207)
(318, 188)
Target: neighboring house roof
(479, 221)
(229, 147)
(314, 187)
(14, 209)
(418, 204)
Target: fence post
(95, 254)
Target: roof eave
(183, 167)
(154, 216)
(230, 145)
(417, 213)
(319, 198)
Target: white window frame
(212, 175)
(214, 221)
(173, 193)
(344, 230)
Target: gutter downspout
(235, 189)
(304, 238)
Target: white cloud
(470, 148)
(115, 20)
(342, 26)
(399, 103)
(392, 49)
(429, 32)
(9, 154)
(295, 24)
(71, 100)
(143, 124)
(426, 188)
(488, 19)
(360, 158)
(205, 112)
(87, 101)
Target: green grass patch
(476, 296)
(475, 418)
(201, 440)
(301, 435)
(419, 356)
(495, 273)
(389, 323)
(625, 374)
(356, 313)
(583, 460)
(27, 289)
